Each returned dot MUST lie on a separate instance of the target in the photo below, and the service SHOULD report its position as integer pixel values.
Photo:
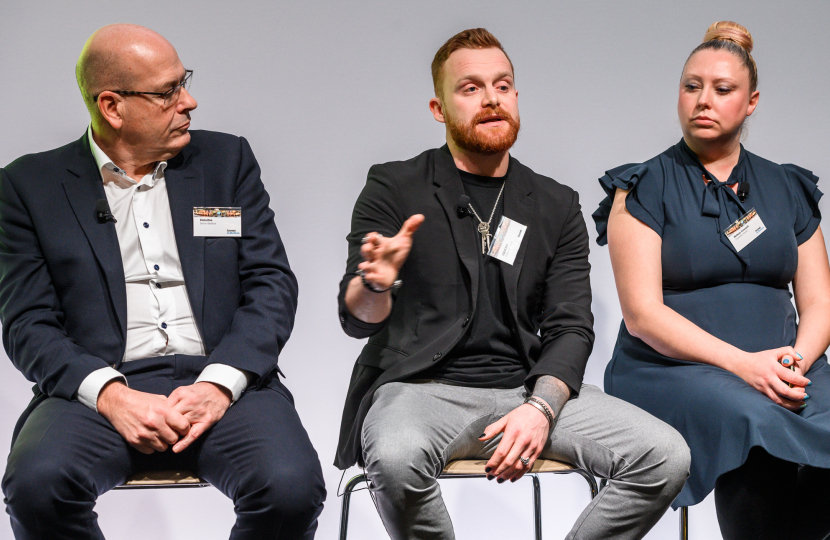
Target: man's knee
(399, 457)
(666, 460)
(678, 457)
(35, 483)
(300, 488)
(291, 489)
(66, 453)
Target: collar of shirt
(110, 172)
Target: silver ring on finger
(525, 461)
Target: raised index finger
(411, 225)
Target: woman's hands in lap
(764, 372)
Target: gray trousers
(414, 429)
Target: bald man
(144, 288)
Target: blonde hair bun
(729, 31)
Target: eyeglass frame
(188, 74)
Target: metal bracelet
(539, 404)
(370, 287)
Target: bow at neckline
(715, 196)
(719, 200)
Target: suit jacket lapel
(518, 206)
(449, 191)
(185, 189)
(84, 188)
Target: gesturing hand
(764, 372)
(383, 257)
(202, 404)
(146, 421)
(526, 432)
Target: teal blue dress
(741, 297)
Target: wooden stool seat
(475, 467)
(163, 479)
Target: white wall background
(324, 89)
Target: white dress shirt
(160, 320)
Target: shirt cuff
(230, 378)
(94, 383)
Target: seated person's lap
(67, 446)
(441, 422)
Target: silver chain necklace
(484, 228)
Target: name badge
(745, 230)
(222, 221)
(507, 240)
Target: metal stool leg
(592, 482)
(537, 498)
(344, 510)
(537, 506)
(684, 523)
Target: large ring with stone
(525, 461)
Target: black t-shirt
(488, 354)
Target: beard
(490, 142)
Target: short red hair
(474, 38)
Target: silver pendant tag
(484, 231)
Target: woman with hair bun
(705, 240)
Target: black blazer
(548, 287)
(63, 303)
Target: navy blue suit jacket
(63, 303)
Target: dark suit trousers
(259, 455)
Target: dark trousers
(65, 455)
(768, 498)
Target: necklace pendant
(484, 231)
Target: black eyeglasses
(171, 96)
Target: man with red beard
(469, 274)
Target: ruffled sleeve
(807, 195)
(644, 200)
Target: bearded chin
(488, 143)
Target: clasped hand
(764, 372)
(525, 431)
(152, 423)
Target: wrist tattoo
(553, 391)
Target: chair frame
(457, 469)
(684, 523)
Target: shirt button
(164, 325)
(146, 225)
(156, 266)
(466, 322)
(437, 356)
(158, 285)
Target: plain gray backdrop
(324, 89)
